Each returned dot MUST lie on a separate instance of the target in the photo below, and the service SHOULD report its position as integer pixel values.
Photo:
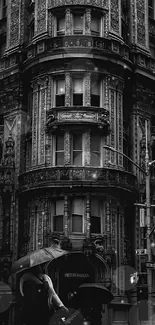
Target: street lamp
(147, 204)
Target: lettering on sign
(76, 275)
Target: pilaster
(67, 89)
(115, 18)
(87, 148)
(41, 15)
(42, 120)
(87, 83)
(67, 144)
(66, 215)
(139, 24)
(88, 22)
(68, 22)
(87, 215)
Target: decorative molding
(67, 89)
(115, 16)
(96, 3)
(68, 21)
(41, 17)
(67, 144)
(88, 22)
(87, 148)
(87, 86)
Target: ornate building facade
(76, 75)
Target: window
(152, 50)
(95, 24)
(95, 93)
(77, 215)
(61, 25)
(31, 30)
(60, 93)
(78, 20)
(3, 9)
(77, 149)
(2, 45)
(59, 150)
(95, 150)
(151, 9)
(77, 91)
(58, 216)
(95, 217)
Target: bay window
(77, 216)
(58, 216)
(95, 93)
(77, 149)
(78, 22)
(95, 150)
(77, 91)
(95, 217)
(59, 150)
(60, 92)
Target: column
(68, 89)
(87, 215)
(42, 121)
(67, 149)
(87, 85)
(68, 22)
(88, 22)
(66, 215)
(35, 124)
(87, 144)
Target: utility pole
(148, 224)
(147, 205)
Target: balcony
(94, 117)
(95, 3)
(52, 177)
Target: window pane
(59, 142)
(61, 24)
(95, 159)
(95, 100)
(95, 208)
(76, 223)
(77, 142)
(60, 158)
(77, 206)
(58, 223)
(78, 99)
(95, 142)
(60, 100)
(95, 225)
(59, 208)
(95, 88)
(78, 23)
(60, 87)
(77, 158)
(95, 24)
(77, 85)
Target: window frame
(57, 215)
(75, 134)
(55, 91)
(78, 13)
(97, 15)
(57, 151)
(63, 31)
(82, 216)
(77, 76)
(99, 204)
(96, 151)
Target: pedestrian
(39, 297)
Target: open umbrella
(37, 257)
(94, 293)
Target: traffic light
(142, 299)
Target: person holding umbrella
(39, 297)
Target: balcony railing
(58, 176)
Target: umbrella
(94, 293)
(37, 257)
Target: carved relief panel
(115, 17)
(139, 23)
(41, 16)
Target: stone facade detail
(67, 89)
(87, 89)
(115, 17)
(87, 148)
(68, 21)
(41, 17)
(139, 31)
(66, 215)
(67, 148)
(88, 22)
(14, 24)
(35, 125)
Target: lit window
(78, 23)
(60, 93)
(58, 216)
(151, 9)
(95, 150)
(95, 217)
(95, 24)
(77, 149)
(61, 25)
(95, 93)
(77, 215)
(59, 150)
(78, 91)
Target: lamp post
(148, 216)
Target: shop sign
(77, 275)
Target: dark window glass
(58, 223)
(60, 93)
(95, 225)
(78, 91)
(95, 93)
(95, 150)
(77, 149)
(78, 24)
(61, 25)
(76, 223)
(59, 150)
(95, 25)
